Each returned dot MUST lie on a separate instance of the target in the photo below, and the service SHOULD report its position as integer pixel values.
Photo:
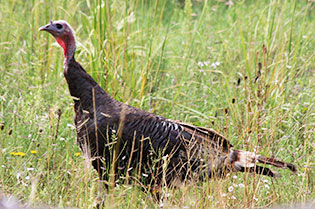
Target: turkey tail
(245, 161)
(277, 163)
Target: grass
(246, 70)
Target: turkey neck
(81, 86)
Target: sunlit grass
(246, 70)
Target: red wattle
(62, 44)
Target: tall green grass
(246, 70)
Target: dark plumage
(138, 140)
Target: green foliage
(245, 69)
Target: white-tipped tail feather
(245, 161)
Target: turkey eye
(59, 26)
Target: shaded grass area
(246, 70)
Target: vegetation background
(245, 68)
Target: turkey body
(144, 137)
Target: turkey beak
(48, 27)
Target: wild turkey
(144, 143)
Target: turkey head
(63, 34)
